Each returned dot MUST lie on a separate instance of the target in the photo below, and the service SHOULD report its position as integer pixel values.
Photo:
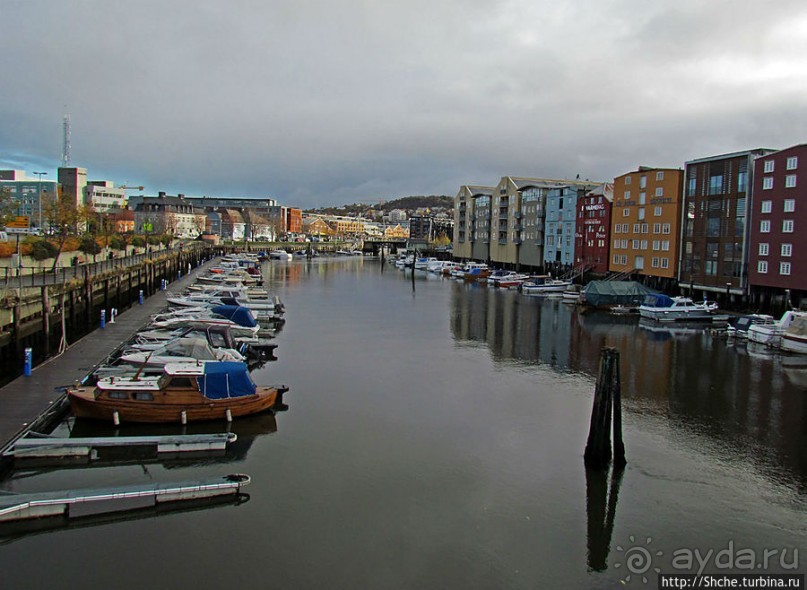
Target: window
(636, 227)
(634, 244)
(659, 175)
(665, 245)
(627, 195)
(762, 267)
(625, 212)
(691, 186)
(787, 250)
(767, 183)
(643, 245)
(654, 263)
(665, 229)
(763, 249)
(644, 228)
(665, 263)
(787, 226)
(790, 181)
(627, 179)
(657, 211)
(641, 212)
(656, 228)
(656, 245)
(792, 163)
(790, 205)
(659, 191)
(768, 166)
(618, 228)
(716, 184)
(784, 268)
(616, 258)
(742, 181)
(642, 198)
(638, 262)
(767, 206)
(765, 226)
(642, 181)
(616, 244)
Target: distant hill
(405, 203)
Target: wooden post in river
(607, 399)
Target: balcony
(502, 241)
(518, 214)
(517, 241)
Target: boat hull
(168, 407)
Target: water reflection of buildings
(512, 326)
(749, 402)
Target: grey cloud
(322, 103)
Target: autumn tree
(62, 216)
(8, 206)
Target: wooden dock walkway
(26, 398)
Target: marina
(439, 417)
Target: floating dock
(88, 448)
(90, 502)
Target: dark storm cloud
(321, 103)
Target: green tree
(89, 245)
(42, 249)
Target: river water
(434, 439)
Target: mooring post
(607, 399)
(29, 357)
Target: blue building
(561, 214)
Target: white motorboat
(181, 350)
(663, 308)
(544, 284)
(423, 262)
(279, 255)
(794, 338)
(771, 334)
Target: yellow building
(645, 221)
(396, 232)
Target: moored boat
(544, 284)
(183, 393)
(664, 308)
(771, 334)
(794, 338)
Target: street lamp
(39, 198)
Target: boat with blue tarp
(184, 392)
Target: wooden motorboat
(182, 393)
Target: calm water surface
(434, 439)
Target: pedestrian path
(26, 398)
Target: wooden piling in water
(607, 401)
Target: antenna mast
(66, 141)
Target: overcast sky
(327, 102)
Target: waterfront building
(257, 227)
(593, 230)
(316, 227)
(560, 223)
(778, 213)
(466, 222)
(170, 215)
(421, 231)
(124, 221)
(29, 194)
(233, 226)
(480, 232)
(645, 220)
(286, 221)
(396, 233)
(718, 197)
(518, 212)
